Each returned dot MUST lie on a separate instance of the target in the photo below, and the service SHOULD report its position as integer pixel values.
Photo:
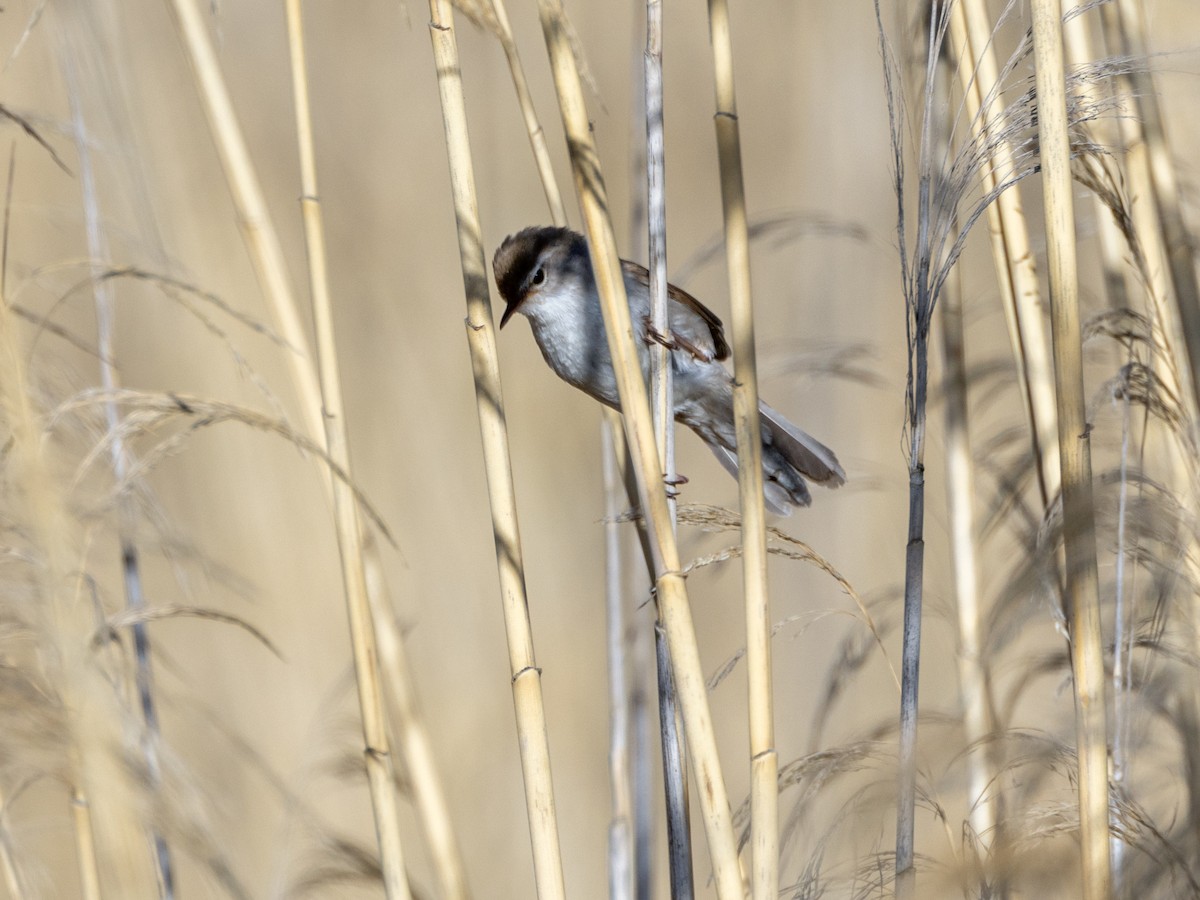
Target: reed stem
(1008, 230)
(670, 586)
(764, 757)
(526, 676)
(376, 753)
(1082, 595)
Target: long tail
(789, 456)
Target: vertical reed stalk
(537, 135)
(262, 244)
(1124, 638)
(258, 230)
(643, 820)
(670, 586)
(1083, 608)
(1180, 252)
(656, 218)
(1169, 367)
(102, 781)
(85, 846)
(1012, 255)
(674, 761)
(974, 689)
(910, 666)
(919, 301)
(1147, 223)
(764, 758)
(1079, 50)
(526, 676)
(411, 737)
(376, 754)
(86, 861)
(960, 494)
(119, 456)
(1078, 47)
(679, 838)
(620, 837)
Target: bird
(545, 274)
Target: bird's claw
(654, 336)
(672, 482)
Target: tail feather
(778, 499)
(789, 456)
(806, 454)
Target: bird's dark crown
(521, 251)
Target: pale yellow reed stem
(764, 758)
(1180, 254)
(265, 253)
(537, 135)
(412, 739)
(258, 230)
(1082, 593)
(64, 627)
(1013, 257)
(960, 482)
(526, 676)
(85, 846)
(620, 827)
(639, 427)
(964, 562)
(376, 754)
(1078, 43)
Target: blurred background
(265, 745)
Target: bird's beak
(509, 310)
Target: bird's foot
(672, 482)
(674, 342)
(654, 336)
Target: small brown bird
(546, 275)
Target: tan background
(814, 133)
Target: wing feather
(719, 348)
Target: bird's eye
(539, 276)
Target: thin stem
(656, 220)
(974, 688)
(1012, 253)
(620, 838)
(1078, 44)
(85, 846)
(258, 229)
(643, 818)
(411, 737)
(960, 493)
(764, 758)
(675, 762)
(670, 586)
(376, 754)
(1181, 259)
(481, 339)
(119, 455)
(919, 313)
(1123, 640)
(1082, 599)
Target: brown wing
(682, 297)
